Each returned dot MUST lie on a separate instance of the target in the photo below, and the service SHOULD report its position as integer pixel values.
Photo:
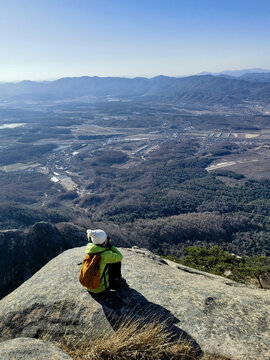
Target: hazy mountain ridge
(259, 77)
(203, 89)
(236, 73)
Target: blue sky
(48, 39)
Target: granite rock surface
(216, 314)
(30, 349)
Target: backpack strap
(104, 272)
(103, 276)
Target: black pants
(114, 274)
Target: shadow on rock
(127, 304)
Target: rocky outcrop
(22, 253)
(216, 314)
(30, 349)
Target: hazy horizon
(133, 77)
(54, 39)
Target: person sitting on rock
(110, 263)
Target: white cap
(97, 236)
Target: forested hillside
(166, 202)
(170, 201)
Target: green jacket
(107, 257)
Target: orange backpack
(89, 273)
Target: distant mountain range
(237, 73)
(200, 90)
(260, 77)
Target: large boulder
(216, 314)
(30, 349)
